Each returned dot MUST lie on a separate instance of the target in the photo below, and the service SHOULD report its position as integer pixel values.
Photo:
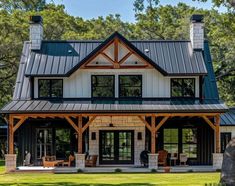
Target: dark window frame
(94, 98)
(194, 143)
(182, 88)
(50, 89)
(132, 97)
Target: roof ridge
(100, 41)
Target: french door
(116, 147)
(44, 142)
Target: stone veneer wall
(119, 123)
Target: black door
(116, 147)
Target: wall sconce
(111, 122)
(139, 135)
(157, 134)
(93, 136)
(76, 135)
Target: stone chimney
(197, 32)
(36, 32)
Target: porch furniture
(91, 160)
(27, 159)
(144, 159)
(69, 162)
(183, 158)
(174, 158)
(50, 161)
(162, 157)
(167, 169)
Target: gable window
(50, 88)
(183, 87)
(130, 86)
(102, 86)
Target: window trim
(182, 143)
(94, 98)
(182, 88)
(119, 87)
(50, 97)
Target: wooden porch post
(79, 134)
(11, 135)
(153, 137)
(217, 133)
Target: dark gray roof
(62, 58)
(228, 118)
(37, 106)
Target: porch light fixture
(157, 134)
(111, 123)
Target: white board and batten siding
(154, 84)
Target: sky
(88, 9)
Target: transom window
(130, 86)
(50, 88)
(102, 86)
(183, 87)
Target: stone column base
(10, 162)
(217, 160)
(80, 161)
(153, 161)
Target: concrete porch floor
(110, 169)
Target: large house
(115, 99)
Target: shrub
(153, 170)
(79, 171)
(118, 170)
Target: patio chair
(183, 158)
(162, 157)
(91, 160)
(174, 158)
(50, 161)
(27, 159)
(69, 162)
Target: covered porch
(145, 124)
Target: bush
(79, 171)
(118, 170)
(190, 170)
(153, 170)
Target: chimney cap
(196, 18)
(36, 19)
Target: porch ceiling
(37, 106)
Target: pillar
(80, 161)
(10, 162)
(153, 161)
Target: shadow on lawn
(74, 184)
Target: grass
(117, 179)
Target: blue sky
(88, 9)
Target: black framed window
(225, 138)
(189, 142)
(183, 87)
(171, 140)
(50, 88)
(103, 86)
(130, 86)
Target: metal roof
(62, 58)
(39, 106)
(228, 118)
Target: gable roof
(62, 58)
(228, 118)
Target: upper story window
(50, 88)
(183, 87)
(102, 86)
(130, 86)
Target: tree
(25, 5)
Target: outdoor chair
(183, 159)
(69, 162)
(91, 160)
(27, 159)
(162, 157)
(174, 158)
(50, 161)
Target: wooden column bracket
(146, 123)
(209, 122)
(161, 123)
(70, 121)
(19, 123)
(88, 123)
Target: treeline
(153, 21)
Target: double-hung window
(50, 88)
(130, 86)
(183, 87)
(103, 86)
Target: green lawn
(119, 179)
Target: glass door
(116, 147)
(44, 143)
